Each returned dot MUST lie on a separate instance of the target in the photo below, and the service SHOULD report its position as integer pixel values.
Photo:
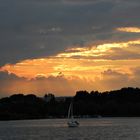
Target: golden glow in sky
(101, 67)
(129, 29)
(97, 51)
(87, 62)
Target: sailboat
(71, 121)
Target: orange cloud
(64, 86)
(79, 65)
(129, 29)
(96, 51)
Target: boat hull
(73, 124)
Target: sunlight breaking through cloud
(98, 67)
(129, 29)
(84, 62)
(96, 51)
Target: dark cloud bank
(40, 28)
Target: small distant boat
(71, 121)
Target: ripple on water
(56, 129)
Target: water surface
(56, 129)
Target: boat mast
(69, 112)
(72, 110)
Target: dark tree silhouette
(123, 102)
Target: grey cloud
(5, 76)
(9, 82)
(40, 28)
(112, 79)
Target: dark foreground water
(56, 129)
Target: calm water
(56, 129)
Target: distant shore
(124, 102)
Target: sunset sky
(61, 46)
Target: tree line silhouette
(117, 103)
